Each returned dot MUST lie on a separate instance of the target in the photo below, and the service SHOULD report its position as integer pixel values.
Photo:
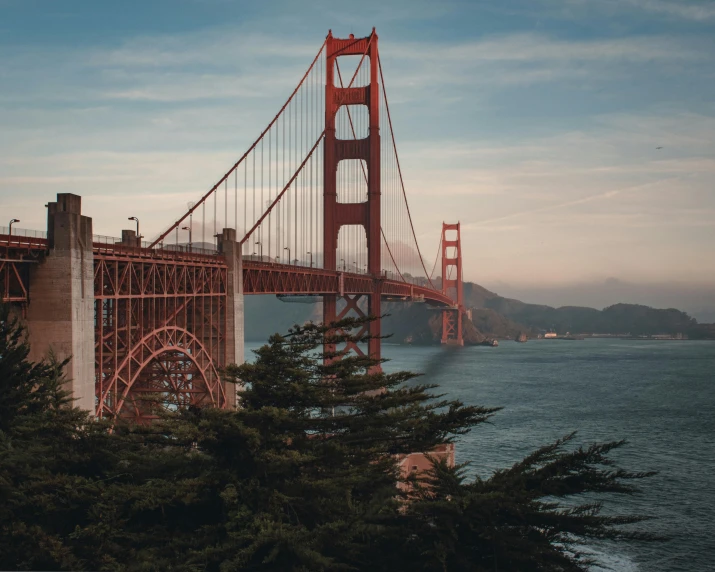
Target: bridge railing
(182, 248)
(22, 239)
(23, 232)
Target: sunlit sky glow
(534, 122)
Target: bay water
(659, 395)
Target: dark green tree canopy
(301, 477)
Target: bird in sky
(658, 147)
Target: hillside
(493, 316)
(630, 319)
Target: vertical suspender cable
(253, 175)
(399, 171)
(270, 198)
(243, 157)
(294, 188)
(260, 209)
(245, 200)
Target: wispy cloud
(564, 205)
(547, 135)
(530, 47)
(701, 10)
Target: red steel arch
(133, 390)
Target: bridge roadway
(259, 277)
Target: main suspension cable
(250, 149)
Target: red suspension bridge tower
(452, 285)
(364, 213)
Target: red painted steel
(366, 214)
(160, 330)
(269, 278)
(452, 286)
(17, 255)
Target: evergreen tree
(301, 477)
(51, 458)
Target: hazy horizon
(574, 140)
(696, 300)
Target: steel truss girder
(352, 307)
(160, 327)
(14, 282)
(16, 255)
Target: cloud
(530, 47)
(528, 135)
(702, 10)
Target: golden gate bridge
(316, 206)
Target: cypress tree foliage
(526, 518)
(329, 430)
(301, 477)
(51, 459)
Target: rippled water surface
(660, 396)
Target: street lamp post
(190, 241)
(288, 249)
(311, 259)
(139, 236)
(260, 245)
(13, 221)
(355, 263)
(343, 261)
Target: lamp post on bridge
(355, 263)
(11, 223)
(191, 204)
(343, 261)
(190, 241)
(139, 236)
(311, 258)
(288, 249)
(258, 242)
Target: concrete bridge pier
(235, 334)
(60, 315)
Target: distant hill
(630, 319)
(493, 316)
(698, 300)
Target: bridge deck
(259, 277)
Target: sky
(536, 123)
